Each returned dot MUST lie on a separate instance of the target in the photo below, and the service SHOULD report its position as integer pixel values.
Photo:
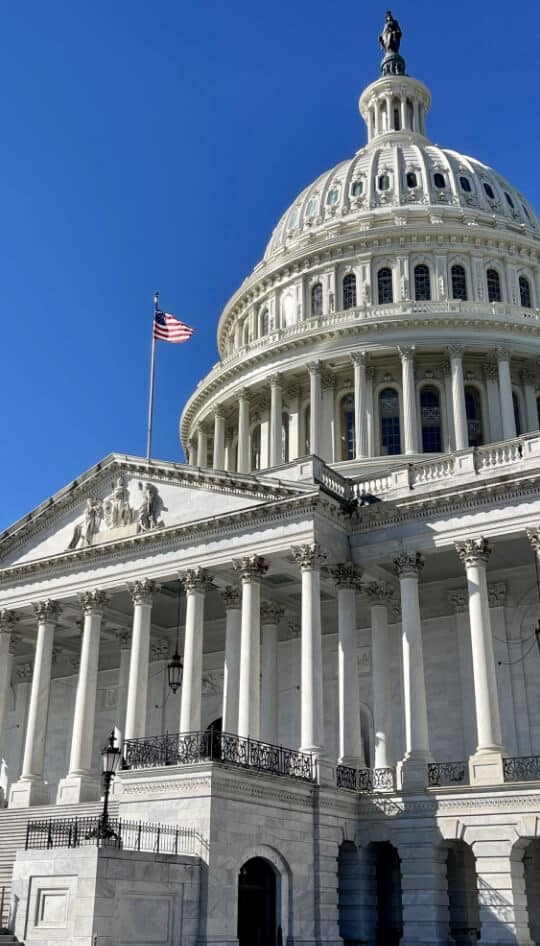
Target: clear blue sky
(154, 145)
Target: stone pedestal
(76, 788)
(486, 768)
(29, 791)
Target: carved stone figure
(148, 516)
(85, 531)
(117, 508)
(390, 38)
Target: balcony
(448, 774)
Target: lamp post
(175, 666)
(110, 757)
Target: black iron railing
(4, 909)
(365, 780)
(128, 835)
(447, 773)
(188, 748)
(525, 769)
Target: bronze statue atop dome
(390, 41)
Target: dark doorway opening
(389, 903)
(214, 731)
(463, 907)
(531, 867)
(257, 904)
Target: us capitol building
(344, 576)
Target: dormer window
(509, 200)
(465, 184)
(412, 180)
(489, 191)
(383, 182)
(311, 208)
(333, 196)
(439, 180)
(357, 189)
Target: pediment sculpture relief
(114, 517)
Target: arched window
(347, 428)
(525, 292)
(316, 299)
(517, 414)
(493, 285)
(473, 408)
(509, 200)
(256, 448)
(459, 283)
(265, 322)
(465, 184)
(349, 291)
(383, 182)
(389, 414)
(439, 180)
(489, 191)
(284, 437)
(430, 413)
(412, 180)
(333, 196)
(422, 283)
(384, 285)
(307, 431)
(357, 189)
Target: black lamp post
(175, 666)
(110, 757)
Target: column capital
(314, 367)
(474, 551)
(250, 567)
(219, 411)
(378, 592)
(243, 394)
(276, 380)
(455, 351)
(328, 379)
(408, 564)
(406, 352)
(143, 591)
(48, 611)
(359, 358)
(231, 598)
(271, 613)
(459, 601)
(345, 575)
(196, 580)
(534, 538)
(502, 353)
(124, 639)
(308, 556)
(497, 594)
(93, 602)
(8, 620)
(293, 628)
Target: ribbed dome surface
(401, 174)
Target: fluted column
(458, 397)
(505, 394)
(351, 750)
(219, 439)
(251, 570)
(202, 447)
(276, 410)
(142, 593)
(486, 764)
(81, 783)
(408, 566)
(196, 583)
(409, 400)
(242, 463)
(310, 558)
(231, 671)
(360, 405)
(31, 788)
(271, 615)
(8, 620)
(379, 596)
(315, 394)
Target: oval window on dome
(311, 208)
(383, 182)
(489, 191)
(293, 219)
(465, 184)
(333, 196)
(357, 189)
(412, 180)
(439, 180)
(509, 200)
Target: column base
(77, 788)
(412, 774)
(326, 771)
(486, 767)
(28, 792)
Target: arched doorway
(257, 904)
(389, 928)
(463, 908)
(531, 871)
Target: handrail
(128, 835)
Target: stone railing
(332, 481)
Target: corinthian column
(350, 734)
(142, 593)
(360, 405)
(315, 408)
(8, 620)
(231, 671)
(417, 754)
(196, 583)
(271, 615)
(379, 595)
(81, 783)
(310, 558)
(505, 394)
(461, 430)
(276, 410)
(219, 439)
(31, 788)
(486, 765)
(409, 400)
(242, 462)
(251, 570)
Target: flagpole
(151, 388)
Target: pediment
(124, 498)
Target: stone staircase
(13, 823)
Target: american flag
(169, 329)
